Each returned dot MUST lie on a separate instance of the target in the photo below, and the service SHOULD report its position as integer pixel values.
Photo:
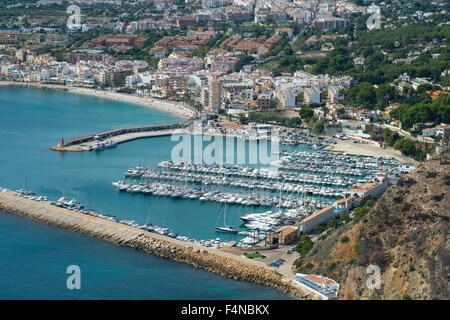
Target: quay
(210, 259)
(116, 136)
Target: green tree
(306, 113)
(332, 224)
(304, 245)
(406, 146)
(318, 229)
(345, 217)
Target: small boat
(99, 147)
(226, 228)
(110, 144)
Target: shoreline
(169, 107)
(210, 259)
(367, 150)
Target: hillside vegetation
(404, 233)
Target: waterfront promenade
(211, 259)
(177, 109)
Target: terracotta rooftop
(317, 213)
(320, 280)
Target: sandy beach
(347, 146)
(176, 109)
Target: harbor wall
(210, 259)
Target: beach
(174, 108)
(347, 146)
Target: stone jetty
(210, 259)
(120, 135)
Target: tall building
(215, 95)
(104, 77)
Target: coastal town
(354, 107)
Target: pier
(210, 259)
(116, 136)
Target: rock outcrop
(405, 233)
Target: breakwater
(117, 136)
(212, 260)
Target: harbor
(110, 139)
(210, 259)
(192, 218)
(307, 182)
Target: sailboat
(226, 228)
(147, 226)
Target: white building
(318, 218)
(369, 190)
(333, 94)
(319, 285)
(406, 167)
(312, 95)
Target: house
(283, 235)
(158, 51)
(186, 21)
(333, 94)
(443, 130)
(319, 285)
(317, 218)
(407, 167)
(325, 24)
(434, 94)
(264, 101)
(287, 98)
(288, 31)
(369, 190)
(303, 15)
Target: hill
(404, 233)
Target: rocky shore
(212, 260)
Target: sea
(34, 257)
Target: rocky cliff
(404, 234)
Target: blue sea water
(34, 257)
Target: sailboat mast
(148, 214)
(225, 216)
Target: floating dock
(117, 136)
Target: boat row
(75, 206)
(329, 158)
(237, 171)
(273, 186)
(27, 194)
(269, 221)
(251, 199)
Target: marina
(248, 199)
(307, 181)
(258, 199)
(86, 177)
(211, 259)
